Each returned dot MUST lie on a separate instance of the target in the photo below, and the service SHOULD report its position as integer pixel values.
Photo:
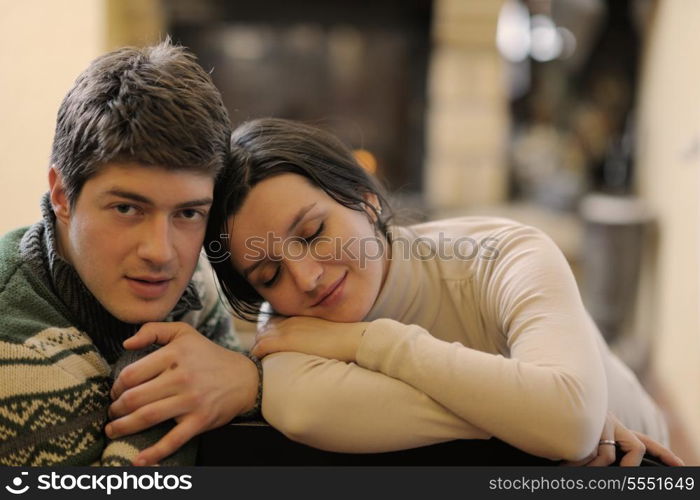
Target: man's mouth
(149, 287)
(150, 278)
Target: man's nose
(156, 245)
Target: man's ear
(57, 194)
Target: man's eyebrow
(195, 203)
(143, 199)
(129, 196)
(297, 219)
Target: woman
(392, 337)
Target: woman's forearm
(342, 407)
(545, 408)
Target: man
(139, 141)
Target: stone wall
(467, 115)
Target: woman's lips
(334, 295)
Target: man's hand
(308, 335)
(191, 379)
(633, 444)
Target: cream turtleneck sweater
(487, 338)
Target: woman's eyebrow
(295, 222)
(252, 268)
(299, 216)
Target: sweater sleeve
(55, 389)
(343, 407)
(549, 396)
(53, 404)
(122, 451)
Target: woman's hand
(308, 335)
(633, 444)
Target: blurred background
(581, 117)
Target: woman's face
(305, 253)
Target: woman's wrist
(354, 339)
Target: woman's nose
(306, 272)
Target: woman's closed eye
(309, 239)
(271, 281)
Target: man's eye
(125, 209)
(192, 214)
(311, 238)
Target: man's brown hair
(153, 106)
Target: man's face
(134, 235)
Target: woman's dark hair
(267, 147)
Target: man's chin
(140, 314)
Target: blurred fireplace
(356, 68)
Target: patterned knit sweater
(60, 350)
